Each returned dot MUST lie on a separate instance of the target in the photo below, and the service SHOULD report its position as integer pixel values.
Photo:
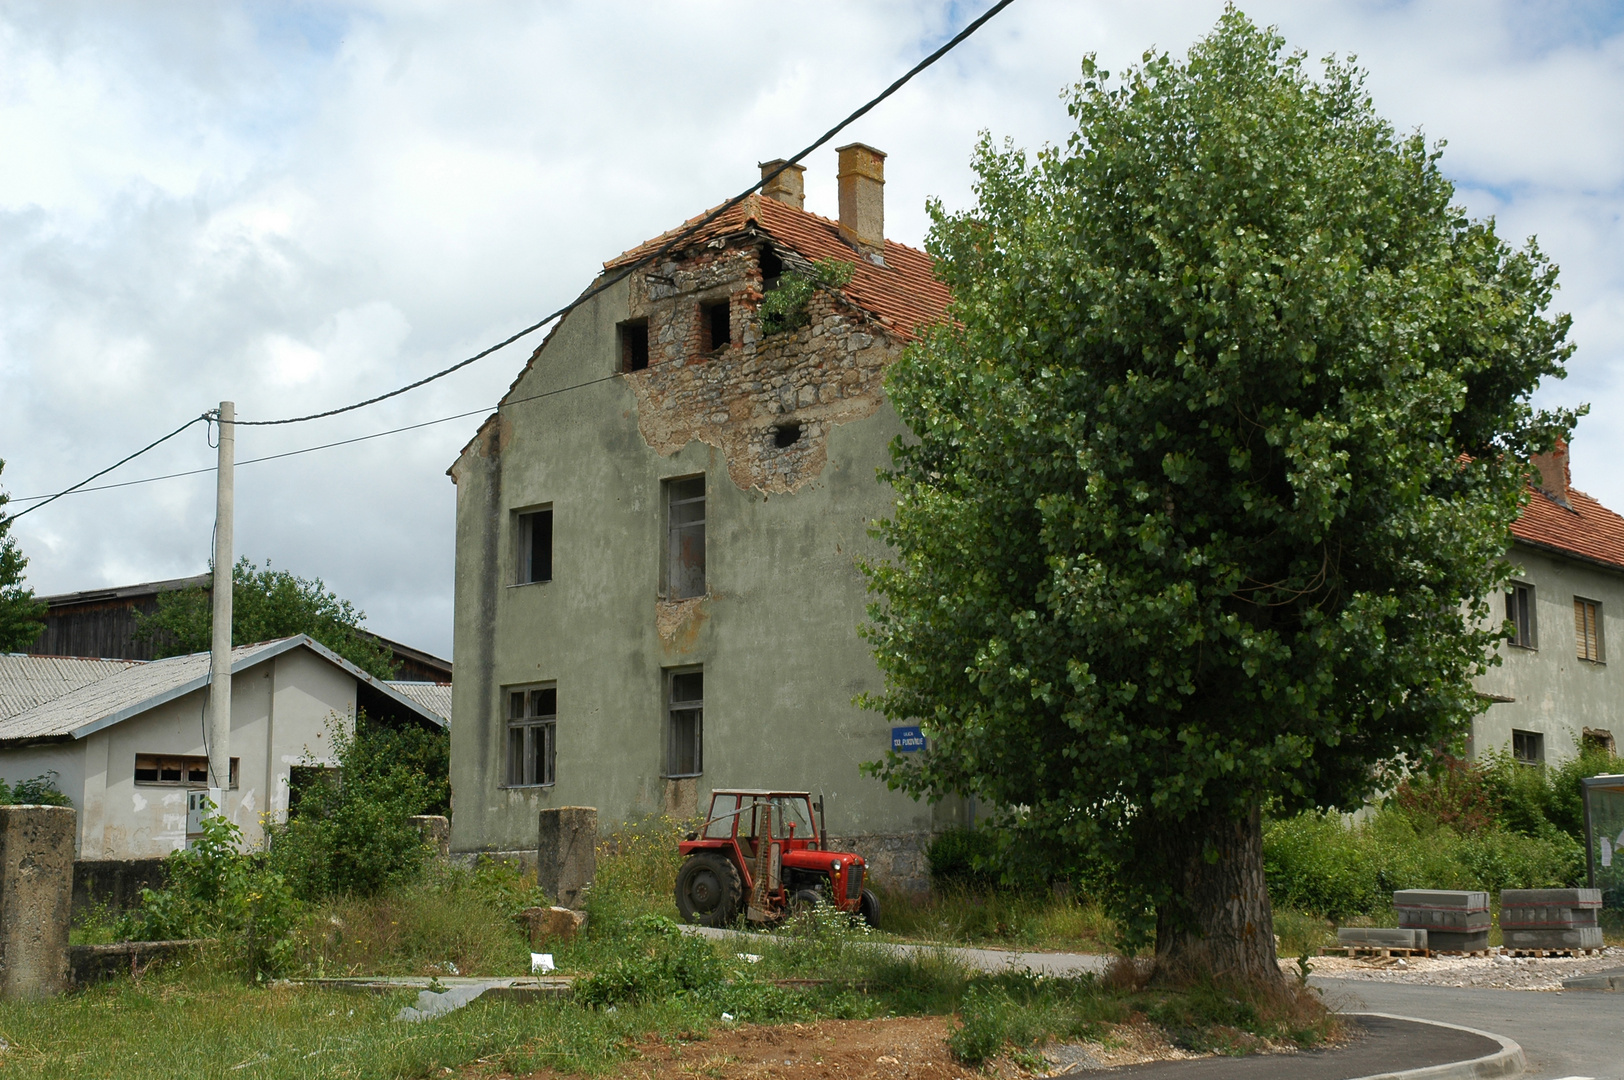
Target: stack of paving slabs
(1455, 920)
(1550, 918)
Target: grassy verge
(959, 915)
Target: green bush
(349, 833)
(40, 791)
(657, 961)
(784, 308)
(216, 890)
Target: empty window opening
(772, 270)
(685, 538)
(685, 724)
(1587, 629)
(716, 321)
(532, 727)
(785, 435)
(1528, 747)
(535, 546)
(167, 770)
(1596, 739)
(1520, 614)
(634, 345)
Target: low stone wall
(114, 884)
(895, 860)
(524, 860)
(89, 964)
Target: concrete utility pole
(220, 642)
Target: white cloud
(298, 206)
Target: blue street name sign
(907, 740)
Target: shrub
(784, 308)
(657, 961)
(349, 832)
(40, 791)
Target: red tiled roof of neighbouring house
(903, 294)
(1589, 530)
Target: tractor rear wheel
(708, 890)
(869, 908)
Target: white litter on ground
(431, 1004)
(541, 963)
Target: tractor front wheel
(869, 908)
(708, 890)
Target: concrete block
(1378, 937)
(435, 829)
(1566, 898)
(551, 925)
(36, 900)
(567, 852)
(1442, 899)
(1573, 937)
(1448, 941)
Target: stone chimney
(862, 197)
(788, 187)
(1554, 475)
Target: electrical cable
(666, 248)
(47, 500)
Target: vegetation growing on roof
(784, 308)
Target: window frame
(673, 706)
(521, 771)
(188, 763)
(524, 523)
(1525, 630)
(1590, 641)
(672, 572)
(707, 324)
(1538, 740)
(626, 335)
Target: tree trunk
(1218, 924)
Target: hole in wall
(785, 435)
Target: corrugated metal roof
(140, 687)
(27, 681)
(435, 697)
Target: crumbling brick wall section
(768, 404)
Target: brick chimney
(1554, 475)
(788, 187)
(862, 197)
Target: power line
(665, 249)
(48, 499)
(80, 489)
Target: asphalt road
(1576, 1033)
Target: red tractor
(762, 851)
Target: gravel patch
(1495, 971)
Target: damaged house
(659, 531)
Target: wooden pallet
(1372, 950)
(1549, 954)
(1462, 952)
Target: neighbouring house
(1555, 686)
(103, 623)
(125, 738)
(659, 531)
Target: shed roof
(433, 696)
(27, 681)
(142, 686)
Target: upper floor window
(715, 325)
(1587, 628)
(534, 546)
(685, 724)
(532, 726)
(1520, 614)
(685, 538)
(633, 345)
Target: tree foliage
(1213, 470)
(266, 604)
(20, 613)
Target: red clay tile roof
(1589, 530)
(903, 294)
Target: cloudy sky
(298, 205)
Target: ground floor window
(532, 725)
(172, 770)
(685, 722)
(1528, 747)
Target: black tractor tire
(708, 890)
(869, 908)
(804, 900)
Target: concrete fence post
(567, 852)
(36, 899)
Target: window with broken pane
(532, 728)
(170, 770)
(685, 538)
(685, 723)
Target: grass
(959, 915)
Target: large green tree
(20, 613)
(1210, 478)
(267, 604)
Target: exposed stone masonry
(736, 397)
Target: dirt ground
(1499, 972)
(901, 1048)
